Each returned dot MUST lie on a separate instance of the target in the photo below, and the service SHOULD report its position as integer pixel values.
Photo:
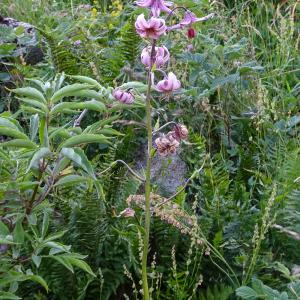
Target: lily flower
(153, 28)
(166, 144)
(180, 132)
(189, 19)
(156, 6)
(169, 84)
(161, 56)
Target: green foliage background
(240, 101)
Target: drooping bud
(122, 96)
(156, 6)
(166, 144)
(169, 84)
(161, 56)
(191, 33)
(152, 29)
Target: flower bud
(122, 96)
(191, 33)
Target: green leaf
(82, 265)
(57, 247)
(6, 49)
(246, 292)
(36, 259)
(8, 296)
(32, 218)
(70, 260)
(87, 80)
(89, 94)
(45, 223)
(60, 166)
(19, 30)
(35, 103)
(34, 125)
(43, 133)
(3, 229)
(220, 81)
(32, 110)
(91, 105)
(84, 139)
(7, 131)
(7, 123)
(39, 280)
(31, 93)
(38, 83)
(19, 143)
(109, 131)
(71, 180)
(58, 81)
(60, 133)
(69, 90)
(295, 287)
(38, 155)
(55, 236)
(18, 232)
(136, 85)
(78, 156)
(62, 260)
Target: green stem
(148, 178)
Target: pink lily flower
(169, 84)
(156, 6)
(189, 19)
(123, 97)
(180, 132)
(166, 144)
(153, 28)
(161, 56)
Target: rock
(295, 270)
(18, 43)
(27, 44)
(167, 173)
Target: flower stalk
(148, 176)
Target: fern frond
(62, 57)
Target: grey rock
(295, 270)
(167, 173)
(27, 44)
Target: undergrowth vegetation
(73, 152)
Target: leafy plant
(35, 166)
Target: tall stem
(148, 178)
